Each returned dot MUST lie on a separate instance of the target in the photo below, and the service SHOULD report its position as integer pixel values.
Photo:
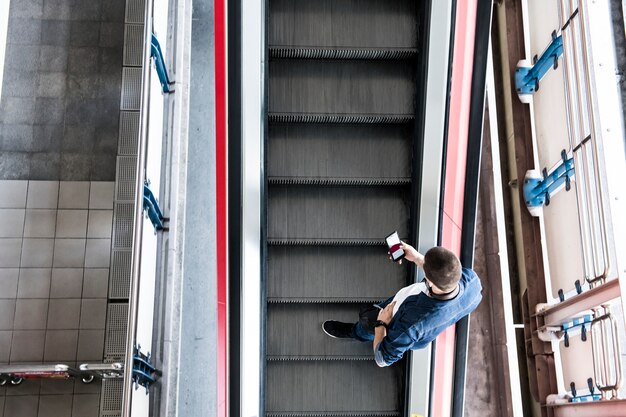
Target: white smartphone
(393, 243)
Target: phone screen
(393, 242)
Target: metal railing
(87, 372)
(605, 366)
(585, 136)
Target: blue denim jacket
(420, 319)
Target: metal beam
(606, 408)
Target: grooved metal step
(340, 118)
(324, 242)
(338, 181)
(336, 414)
(295, 358)
(285, 52)
(325, 300)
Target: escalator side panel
(377, 151)
(332, 23)
(341, 87)
(332, 272)
(336, 212)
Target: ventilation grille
(129, 133)
(111, 398)
(133, 45)
(125, 178)
(131, 88)
(117, 322)
(123, 227)
(119, 278)
(135, 11)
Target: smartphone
(393, 243)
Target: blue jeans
(360, 334)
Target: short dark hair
(442, 268)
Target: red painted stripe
(221, 209)
(456, 158)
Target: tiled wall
(55, 240)
(59, 110)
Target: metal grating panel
(123, 225)
(119, 278)
(131, 89)
(129, 133)
(135, 11)
(111, 397)
(117, 322)
(133, 45)
(125, 178)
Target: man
(418, 313)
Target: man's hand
(386, 313)
(411, 254)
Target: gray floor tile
(81, 111)
(26, 8)
(84, 33)
(18, 110)
(51, 84)
(96, 283)
(19, 83)
(7, 313)
(69, 253)
(93, 313)
(21, 405)
(45, 165)
(83, 85)
(5, 345)
(103, 167)
(13, 194)
(50, 106)
(9, 278)
(90, 345)
(86, 405)
(75, 167)
(112, 35)
(34, 283)
(64, 314)
(66, 283)
(55, 32)
(30, 314)
(93, 388)
(27, 345)
(55, 406)
(98, 253)
(21, 57)
(53, 58)
(42, 194)
(100, 223)
(16, 137)
(14, 165)
(58, 386)
(83, 60)
(101, 195)
(47, 138)
(12, 223)
(24, 31)
(113, 10)
(10, 251)
(106, 140)
(2, 399)
(86, 10)
(72, 223)
(111, 61)
(40, 223)
(28, 387)
(74, 195)
(61, 345)
(57, 9)
(79, 138)
(37, 253)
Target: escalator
(341, 175)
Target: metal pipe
(595, 135)
(133, 300)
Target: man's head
(442, 268)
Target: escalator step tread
(286, 52)
(338, 181)
(324, 242)
(324, 300)
(334, 414)
(340, 118)
(294, 358)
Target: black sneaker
(337, 329)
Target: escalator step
(340, 118)
(335, 414)
(324, 242)
(294, 358)
(325, 300)
(338, 181)
(282, 52)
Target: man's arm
(411, 254)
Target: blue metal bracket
(144, 373)
(159, 63)
(152, 209)
(538, 191)
(527, 78)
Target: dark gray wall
(59, 109)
